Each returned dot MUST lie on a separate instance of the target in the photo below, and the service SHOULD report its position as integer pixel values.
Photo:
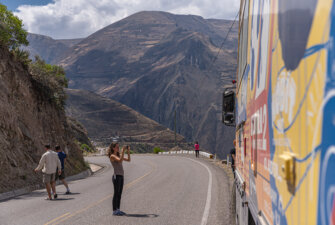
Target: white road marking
(209, 195)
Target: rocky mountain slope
(158, 63)
(28, 120)
(106, 119)
(49, 49)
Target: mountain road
(158, 189)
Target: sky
(65, 19)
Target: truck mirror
(228, 108)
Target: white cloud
(80, 18)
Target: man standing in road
(49, 163)
(61, 177)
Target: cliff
(29, 120)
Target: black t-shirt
(233, 152)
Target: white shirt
(49, 162)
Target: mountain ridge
(54, 50)
(158, 63)
(105, 118)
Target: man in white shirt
(49, 163)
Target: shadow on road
(25, 196)
(39, 194)
(62, 199)
(72, 193)
(141, 215)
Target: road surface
(158, 190)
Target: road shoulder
(94, 168)
(224, 183)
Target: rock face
(79, 132)
(28, 120)
(158, 63)
(106, 119)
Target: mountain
(105, 118)
(158, 63)
(29, 119)
(47, 48)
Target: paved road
(158, 190)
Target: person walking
(116, 159)
(197, 149)
(49, 163)
(233, 154)
(62, 158)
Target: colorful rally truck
(283, 109)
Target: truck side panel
(286, 111)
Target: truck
(283, 108)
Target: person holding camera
(116, 159)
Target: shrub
(52, 78)
(157, 150)
(12, 34)
(86, 148)
(22, 56)
(87, 165)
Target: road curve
(158, 190)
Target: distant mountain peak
(158, 63)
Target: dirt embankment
(28, 120)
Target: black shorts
(61, 176)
